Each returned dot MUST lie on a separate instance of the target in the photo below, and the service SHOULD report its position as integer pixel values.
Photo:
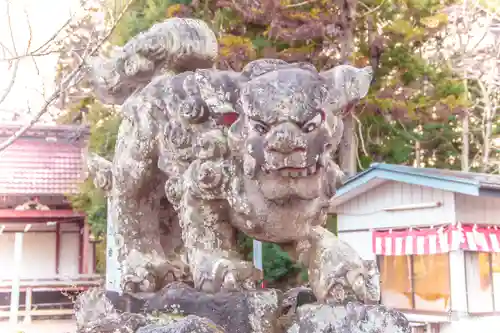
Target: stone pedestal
(178, 306)
(181, 309)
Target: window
(483, 281)
(395, 281)
(419, 282)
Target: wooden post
(58, 248)
(418, 157)
(80, 247)
(28, 303)
(16, 278)
(85, 248)
(94, 258)
(348, 149)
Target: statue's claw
(230, 282)
(340, 279)
(132, 284)
(224, 275)
(147, 273)
(345, 283)
(336, 294)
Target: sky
(35, 75)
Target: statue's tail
(175, 45)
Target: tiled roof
(47, 160)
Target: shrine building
(46, 250)
(435, 235)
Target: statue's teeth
(298, 173)
(312, 169)
(284, 173)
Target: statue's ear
(219, 90)
(346, 84)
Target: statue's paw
(132, 283)
(354, 285)
(338, 294)
(339, 287)
(337, 273)
(146, 272)
(224, 275)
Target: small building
(436, 237)
(43, 240)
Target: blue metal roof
(469, 183)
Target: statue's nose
(285, 139)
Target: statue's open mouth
(296, 172)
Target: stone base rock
(181, 309)
(189, 324)
(95, 313)
(353, 318)
(237, 312)
(234, 312)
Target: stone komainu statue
(248, 151)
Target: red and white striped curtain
(436, 240)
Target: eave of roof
(40, 216)
(66, 133)
(458, 182)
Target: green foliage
(412, 102)
(277, 263)
(331, 223)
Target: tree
(85, 31)
(470, 46)
(104, 122)
(412, 111)
(81, 107)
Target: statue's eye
(259, 126)
(314, 123)
(199, 112)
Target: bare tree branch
(300, 4)
(16, 62)
(360, 134)
(469, 47)
(64, 84)
(12, 80)
(370, 10)
(42, 49)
